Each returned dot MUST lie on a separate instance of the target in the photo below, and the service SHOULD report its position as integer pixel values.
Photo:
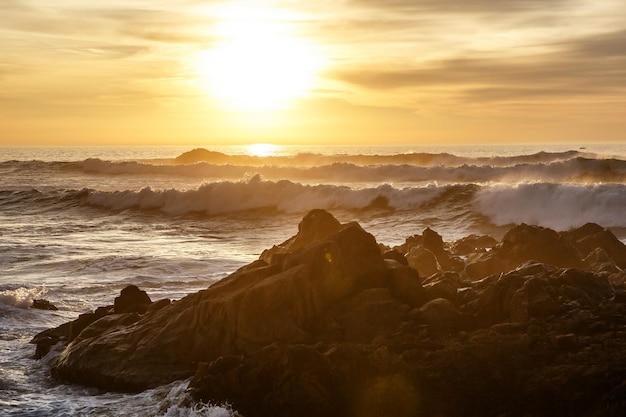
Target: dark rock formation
(591, 237)
(201, 155)
(329, 283)
(324, 324)
(43, 305)
(131, 300)
(525, 243)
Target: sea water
(79, 224)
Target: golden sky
(311, 72)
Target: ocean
(78, 224)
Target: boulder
(521, 244)
(539, 291)
(323, 324)
(132, 300)
(41, 304)
(424, 261)
(591, 236)
(440, 314)
(290, 300)
(472, 244)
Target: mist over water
(78, 225)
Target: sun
(257, 62)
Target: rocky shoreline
(332, 323)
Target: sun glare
(258, 63)
(262, 149)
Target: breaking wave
(559, 206)
(347, 170)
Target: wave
(254, 194)
(19, 296)
(555, 205)
(570, 166)
(412, 158)
(558, 206)
(576, 169)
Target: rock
(323, 324)
(591, 237)
(440, 314)
(370, 314)
(132, 300)
(405, 283)
(540, 291)
(473, 244)
(444, 285)
(284, 301)
(396, 256)
(521, 244)
(201, 155)
(316, 225)
(428, 254)
(433, 241)
(43, 305)
(424, 261)
(278, 381)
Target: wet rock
(591, 236)
(43, 305)
(521, 244)
(323, 324)
(473, 244)
(424, 261)
(131, 300)
(287, 300)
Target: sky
(138, 72)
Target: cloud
(586, 66)
(466, 6)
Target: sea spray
(558, 206)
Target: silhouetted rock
(323, 324)
(521, 244)
(201, 155)
(424, 261)
(473, 244)
(43, 305)
(131, 300)
(591, 237)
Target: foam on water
(20, 297)
(558, 206)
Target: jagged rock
(396, 256)
(473, 244)
(316, 225)
(521, 244)
(405, 283)
(424, 261)
(287, 300)
(433, 241)
(540, 291)
(323, 324)
(132, 300)
(43, 305)
(201, 155)
(444, 285)
(591, 236)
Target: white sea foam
(285, 196)
(558, 206)
(21, 297)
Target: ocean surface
(78, 224)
